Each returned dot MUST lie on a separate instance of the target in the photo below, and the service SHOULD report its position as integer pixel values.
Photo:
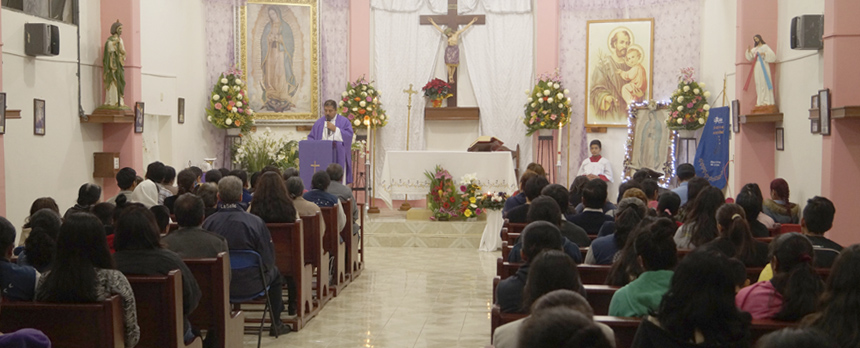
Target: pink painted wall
(546, 39)
(2, 147)
(359, 38)
(121, 137)
(754, 145)
(841, 150)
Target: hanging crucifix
(452, 32)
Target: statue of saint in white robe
(763, 85)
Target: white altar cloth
(403, 171)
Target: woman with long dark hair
(186, 180)
(139, 251)
(698, 309)
(736, 239)
(84, 271)
(41, 244)
(271, 201)
(700, 224)
(628, 215)
(752, 206)
(88, 196)
(840, 301)
(795, 286)
(550, 270)
(778, 207)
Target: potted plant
(437, 90)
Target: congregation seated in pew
(629, 214)
(191, 241)
(18, 283)
(341, 191)
(245, 231)
(569, 230)
(545, 209)
(139, 252)
(736, 239)
(592, 216)
(84, 271)
(532, 189)
(318, 195)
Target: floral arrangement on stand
(258, 150)
(548, 105)
(361, 105)
(493, 200)
(437, 90)
(689, 107)
(228, 105)
(442, 200)
(470, 194)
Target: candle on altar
(558, 156)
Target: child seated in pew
(538, 237)
(818, 219)
(508, 335)
(546, 209)
(628, 215)
(626, 266)
(17, 283)
(84, 272)
(699, 309)
(658, 256)
(735, 238)
(840, 302)
(561, 328)
(795, 287)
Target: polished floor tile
(406, 297)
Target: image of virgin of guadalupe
(650, 142)
(277, 44)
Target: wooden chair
(344, 273)
(593, 274)
(599, 296)
(316, 255)
(159, 310)
(498, 318)
(288, 239)
(214, 312)
(84, 325)
(332, 244)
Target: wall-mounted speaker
(41, 39)
(807, 32)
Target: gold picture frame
(611, 100)
(292, 91)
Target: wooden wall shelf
(110, 116)
(852, 111)
(762, 118)
(814, 114)
(13, 114)
(452, 114)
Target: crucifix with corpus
(452, 32)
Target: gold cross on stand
(410, 92)
(315, 166)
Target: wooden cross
(453, 21)
(315, 166)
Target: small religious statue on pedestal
(114, 74)
(452, 52)
(761, 55)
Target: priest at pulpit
(338, 129)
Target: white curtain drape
(500, 56)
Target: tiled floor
(407, 297)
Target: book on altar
(487, 143)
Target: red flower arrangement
(437, 89)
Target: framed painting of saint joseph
(279, 58)
(619, 69)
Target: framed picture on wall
(282, 83)
(815, 126)
(736, 120)
(38, 116)
(180, 112)
(2, 113)
(813, 102)
(824, 110)
(138, 117)
(619, 63)
(780, 139)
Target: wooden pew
(332, 244)
(506, 249)
(159, 310)
(754, 272)
(506, 269)
(344, 273)
(85, 325)
(358, 245)
(288, 239)
(625, 328)
(593, 274)
(213, 277)
(498, 318)
(516, 228)
(786, 228)
(599, 297)
(316, 255)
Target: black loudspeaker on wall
(807, 32)
(41, 39)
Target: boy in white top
(596, 166)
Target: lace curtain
(676, 45)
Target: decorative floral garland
(228, 105)
(689, 107)
(361, 105)
(548, 106)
